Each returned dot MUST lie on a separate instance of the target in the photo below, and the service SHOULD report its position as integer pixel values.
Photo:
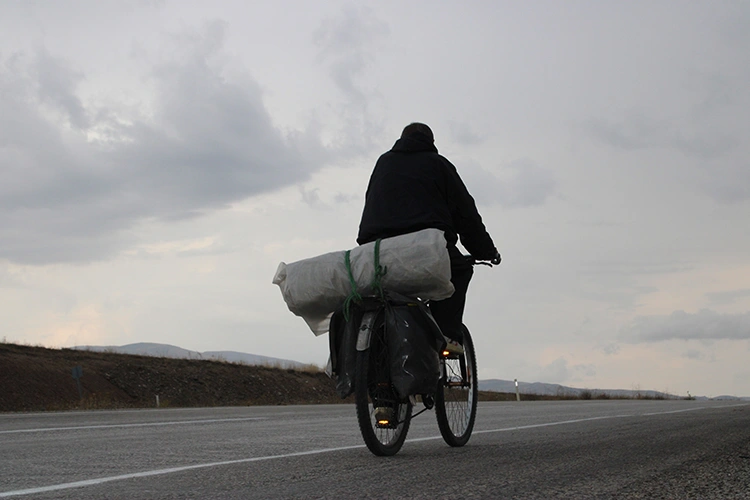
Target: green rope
(354, 295)
(376, 285)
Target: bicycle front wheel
(456, 397)
(383, 418)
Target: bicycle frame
(454, 398)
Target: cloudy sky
(158, 159)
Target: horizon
(159, 159)
(155, 345)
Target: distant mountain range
(544, 389)
(170, 351)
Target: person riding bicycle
(411, 188)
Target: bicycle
(384, 417)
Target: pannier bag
(343, 349)
(414, 340)
(415, 264)
(413, 343)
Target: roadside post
(518, 395)
(77, 374)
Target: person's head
(418, 131)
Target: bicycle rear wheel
(456, 397)
(383, 418)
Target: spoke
(382, 394)
(457, 397)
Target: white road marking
(144, 424)
(550, 424)
(159, 472)
(676, 411)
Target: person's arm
(468, 222)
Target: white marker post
(157, 400)
(518, 395)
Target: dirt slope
(37, 378)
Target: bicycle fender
(365, 330)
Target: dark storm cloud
(713, 155)
(703, 325)
(345, 46)
(73, 178)
(344, 42)
(703, 127)
(57, 83)
(211, 141)
(641, 132)
(698, 115)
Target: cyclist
(412, 187)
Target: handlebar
(489, 263)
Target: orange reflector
(446, 353)
(383, 422)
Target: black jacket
(411, 188)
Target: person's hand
(496, 259)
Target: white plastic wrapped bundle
(417, 265)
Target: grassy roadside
(40, 379)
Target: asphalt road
(562, 449)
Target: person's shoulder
(384, 158)
(446, 163)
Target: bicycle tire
(372, 387)
(456, 405)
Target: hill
(562, 391)
(41, 379)
(534, 390)
(170, 351)
(38, 378)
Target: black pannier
(414, 341)
(343, 346)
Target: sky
(158, 159)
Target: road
(560, 449)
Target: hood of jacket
(414, 144)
